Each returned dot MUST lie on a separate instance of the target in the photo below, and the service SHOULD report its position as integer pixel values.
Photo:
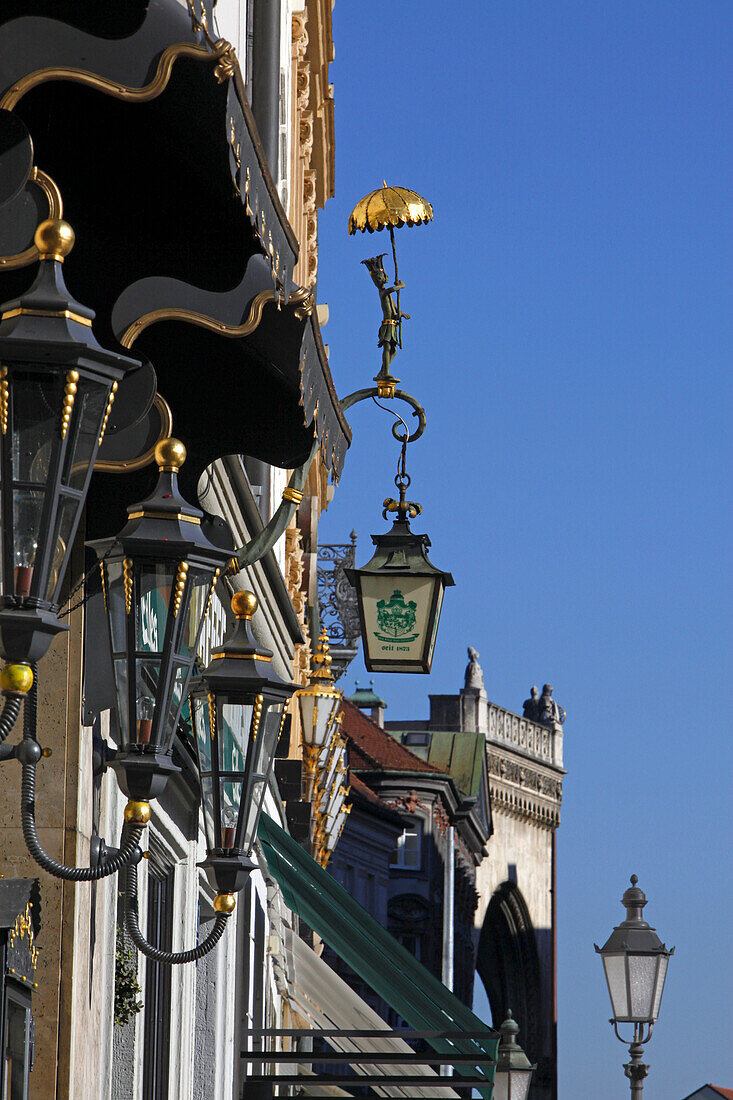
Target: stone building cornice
(523, 789)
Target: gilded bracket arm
(257, 547)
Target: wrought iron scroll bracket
(417, 410)
(257, 547)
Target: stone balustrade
(540, 742)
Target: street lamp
(238, 706)
(513, 1068)
(57, 386)
(635, 963)
(319, 703)
(158, 575)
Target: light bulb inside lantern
(145, 711)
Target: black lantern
(238, 706)
(400, 595)
(513, 1068)
(57, 386)
(635, 962)
(157, 579)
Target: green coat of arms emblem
(396, 619)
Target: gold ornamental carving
(55, 212)
(149, 91)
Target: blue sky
(571, 342)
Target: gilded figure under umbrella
(388, 208)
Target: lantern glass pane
(154, 587)
(193, 610)
(36, 410)
(146, 686)
(66, 516)
(116, 611)
(123, 705)
(233, 725)
(201, 718)
(207, 801)
(82, 434)
(252, 814)
(179, 682)
(397, 616)
(642, 972)
(269, 732)
(615, 967)
(231, 801)
(27, 508)
(662, 961)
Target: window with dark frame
(157, 1000)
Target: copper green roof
(458, 754)
(366, 697)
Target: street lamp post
(635, 963)
(513, 1068)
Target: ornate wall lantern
(400, 594)
(319, 703)
(157, 580)
(513, 1068)
(57, 386)
(238, 706)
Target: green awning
(374, 954)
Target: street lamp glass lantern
(400, 596)
(157, 579)
(635, 963)
(238, 707)
(514, 1071)
(57, 386)
(320, 701)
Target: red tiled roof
(727, 1093)
(371, 749)
(361, 790)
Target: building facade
(190, 143)
(515, 919)
(191, 149)
(417, 830)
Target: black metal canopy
(176, 214)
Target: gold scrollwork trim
(177, 314)
(149, 91)
(55, 211)
(292, 496)
(126, 466)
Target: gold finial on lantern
(244, 604)
(54, 239)
(170, 454)
(321, 660)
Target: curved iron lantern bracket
(257, 547)
(417, 410)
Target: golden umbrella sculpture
(389, 208)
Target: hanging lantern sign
(400, 596)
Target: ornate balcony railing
(541, 742)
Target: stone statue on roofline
(543, 708)
(531, 706)
(474, 674)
